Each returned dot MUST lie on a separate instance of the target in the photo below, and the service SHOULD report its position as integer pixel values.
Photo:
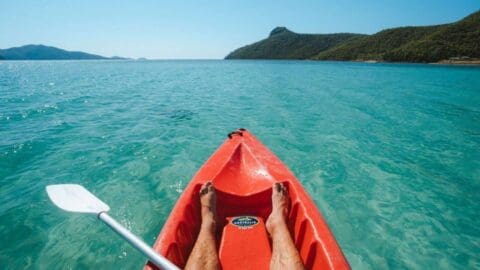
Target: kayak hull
(243, 171)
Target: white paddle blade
(75, 198)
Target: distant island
(42, 52)
(457, 42)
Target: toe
(207, 188)
(277, 187)
(204, 188)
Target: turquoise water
(390, 153)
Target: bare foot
(208, 202)
(204, 254)
(279, 208)
(284, 253)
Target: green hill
(375, 46)
(285, 44)
(42, 52)
(457, 40)
(414, 44)
(454, 41)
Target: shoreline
(473, 62)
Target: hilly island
(42, 52)
(457, 42)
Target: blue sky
(203, 29)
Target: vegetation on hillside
(459, 40)
(375, 46)
(42, 52)
(285, 44)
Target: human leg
(284, 253)
(204, 253)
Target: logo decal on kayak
(245, 222)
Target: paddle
(75, 198)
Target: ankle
(278, 229)
(209, 224)
(276, 223)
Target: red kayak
(242, 171)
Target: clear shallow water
(390, 153)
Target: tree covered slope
(459, 40)
(375, 46)
(285, 44)
(42, 52)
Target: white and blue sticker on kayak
(245, 222)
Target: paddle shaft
(154, 257)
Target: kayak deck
(243, 171)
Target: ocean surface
(390, 153)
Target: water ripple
(389, 153)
